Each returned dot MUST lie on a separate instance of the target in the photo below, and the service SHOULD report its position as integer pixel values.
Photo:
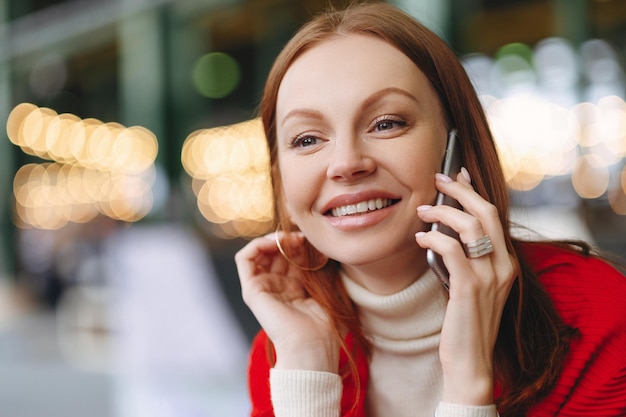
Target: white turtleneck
(405, 372)
(404, 330)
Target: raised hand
(479, 288)
(295, 323)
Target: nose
(350, 160)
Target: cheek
(294, 196)
(421, 162)
(298, 188)
(418, 172)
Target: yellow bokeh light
(33, 132)
(145, 146)
(56, 137)
(590, 177)
(15, 121)
(96, 168)
(229, 168)
(100, 143)
(205, 206)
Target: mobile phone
(451, 166)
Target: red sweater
(588, 293)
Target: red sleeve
(259, 378)
(353, 398)
(590, 295)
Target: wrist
(309, 357)
(475, 391)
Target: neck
(391, 275)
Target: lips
(361, 207)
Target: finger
(467, 226)
(290, 246)
(470, 229)
(488, 220)
(464, 177)
(454, 257)
(485, 268)
(446, 246)
(254, 254)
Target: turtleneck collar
(413, 313)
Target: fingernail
(442, 177)
(424, 207)
(419, 234)
(466, 175)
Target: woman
(357, 109)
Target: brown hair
(525, 373)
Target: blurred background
(132, 168)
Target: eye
(303, 141)
(387, 123)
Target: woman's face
(360, 137)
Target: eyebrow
(314, 114)
(307, 113)
(386, 92)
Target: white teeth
(361, 207)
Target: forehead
(347, 64)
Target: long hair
(524, 373)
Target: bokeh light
(216, 75)
(617, 196)
(531, 152)
(230, 171)
(94, 168)
(542, 126)
(590, 176)
(556, 111)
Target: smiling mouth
(362, 207)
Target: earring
(303, 268)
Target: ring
(479, 247)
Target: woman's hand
(479, 288)
(295, 323)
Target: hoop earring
(303, 268)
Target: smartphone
(451, 166)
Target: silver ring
(479, 247)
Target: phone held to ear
(451, 167)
